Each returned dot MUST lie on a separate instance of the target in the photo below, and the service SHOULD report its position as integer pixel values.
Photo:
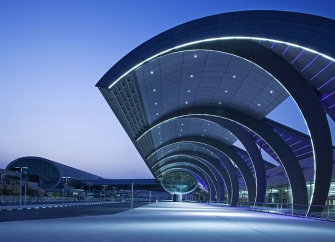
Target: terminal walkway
(167, 221)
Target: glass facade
(282, 194)
(179, 182)
(48, 174)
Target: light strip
(285, 50)
(326, 84)
(297, 56)
(322, 70)
(301, 148)
(310, 62)
(305, 153)
(295, 143)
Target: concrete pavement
(167, 221)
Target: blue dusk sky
(52, 53)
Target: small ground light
(155, 103)
(195, 56)
(188, 91)
(186, 102)
(154, 90)
(226, 91)
(191, 76)
(152, 72)
(259, 104)
(271, 91)
(234, 76)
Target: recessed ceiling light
(152, 72)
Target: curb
(55, 206)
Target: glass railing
(326, 212)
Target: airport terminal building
(51, 174)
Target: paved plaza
(167, 221)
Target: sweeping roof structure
(187, 95)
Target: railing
(326, 212)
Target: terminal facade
(185, 96)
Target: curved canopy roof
(245, 62)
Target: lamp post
(2, 176)
(104, 187)
(21, 167)
(89, 184)
(25, 188)
(38, 195)
(65, 186)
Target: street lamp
(65, 185)
(89, 184)
(104, 187)
(2, 176)
(21, 167)
(25, 188)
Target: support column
(177, 197)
